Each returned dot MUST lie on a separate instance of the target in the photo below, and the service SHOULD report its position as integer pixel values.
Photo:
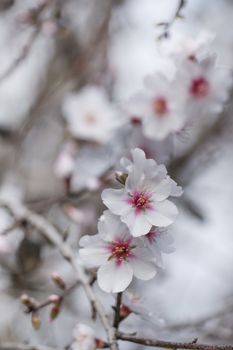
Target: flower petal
(116, 201)
(163, 214)
(162, 190)
(137, 223)
(143, 269)
(94, 256)
(111, 228)
(113, 278)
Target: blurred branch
(171, 345)
(34, 307)
(6, 4)
(25, 51)
(21, 346)
(70, 197)
(180, 164)
(27, 48)
(167, 25)
(117, 317)
(20, 212)
(198, 324)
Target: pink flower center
(135, 120)
(140, 200)
(91, 119)
(199, 87)
(120, 250)
(160, 106)
(151, 235)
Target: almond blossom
(143, 202)
(90, 115)
(158, 241)
(205, 85)
(159, 107)
(84, 338)
(117, 255)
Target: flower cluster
(130, 237)
(164, 106)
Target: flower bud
(121, 177)
(100, 344)
(27, 301)
(58, 280)
(54, 298)
(55, 310)
(124, 312)
(36, 322)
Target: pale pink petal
(162, 190)
(116, 201)
(163, 214)
(137, 223)
(93, 255)
(113, 278)
(111, 228)
(142, 269)
(176, 191)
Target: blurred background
(52, 48)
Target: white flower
(134, 304)
(84, 338)
(205, 85)
(159, 241)
(90, 115)
(65, 163)
(159, 107)
(143, 202)
(184, 47)
(118, 255)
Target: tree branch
(167, 25)
(117, 317)
(170, 344)
(20, 212)
(19, 346)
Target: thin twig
(24, 53)
(117, 317)
(20, 212)
(21, 346)
(47, 302)
(167, 25)
(170, 344)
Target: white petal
(163, 214)
(176, 191)
(126, 163)
(116, 201)
(162, 190)
(94, 256)
(136, 180)
(111, 228)
(113, 278)
(138, 224)
(143, 269)
(88, 240)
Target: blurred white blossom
(84, 338)
(159, 106)
(90, 115)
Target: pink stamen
(120, 251)
(151, 235)
(140, 201)
(199, 87)
(160, 106)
